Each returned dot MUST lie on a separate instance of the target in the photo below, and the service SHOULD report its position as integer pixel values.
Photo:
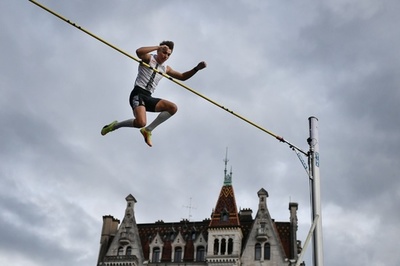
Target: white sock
(126, 123)
(159, 119)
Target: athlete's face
(163, 54)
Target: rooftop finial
(226, 160)
(227, 177)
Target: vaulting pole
(170, 78)
(313, 141)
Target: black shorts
(142, 97)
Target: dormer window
(178, 254)
(200, 253)
(225, 215)
(156, 254)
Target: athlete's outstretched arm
(188, 74)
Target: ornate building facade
(230, 237)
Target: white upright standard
(313, 141)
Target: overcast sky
(274, 62)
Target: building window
(178, 254)
(257, 251)
(216, 246)
(267, 251)
(120, 251)
(200, 254)
(224, 215)
(223, 246)
(128, 251)
(156, 255)
(230, 246)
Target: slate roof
(226, 205)
(192, 230)
(168, 232)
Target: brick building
(228, 237)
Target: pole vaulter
(170, 78)
(312, 154)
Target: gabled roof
(225, 213)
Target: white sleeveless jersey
(148, 79)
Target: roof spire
(227, 177)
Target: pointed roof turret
(225, 213)
(126, 245)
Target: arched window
(120, 251)
(178, 254)
(223, 246)
(129, 251)
(200, 253)
(230, 246)
(257, 251)
(267, 251)
(156, 255)
(216, 246)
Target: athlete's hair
(170, 44)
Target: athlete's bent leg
(140, 117)
(164, 105)
(167, 110)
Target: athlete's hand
(201, 65)
(163, 48)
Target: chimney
(293, 206)
(110, 228)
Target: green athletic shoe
(108, 128)
(147, 136)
